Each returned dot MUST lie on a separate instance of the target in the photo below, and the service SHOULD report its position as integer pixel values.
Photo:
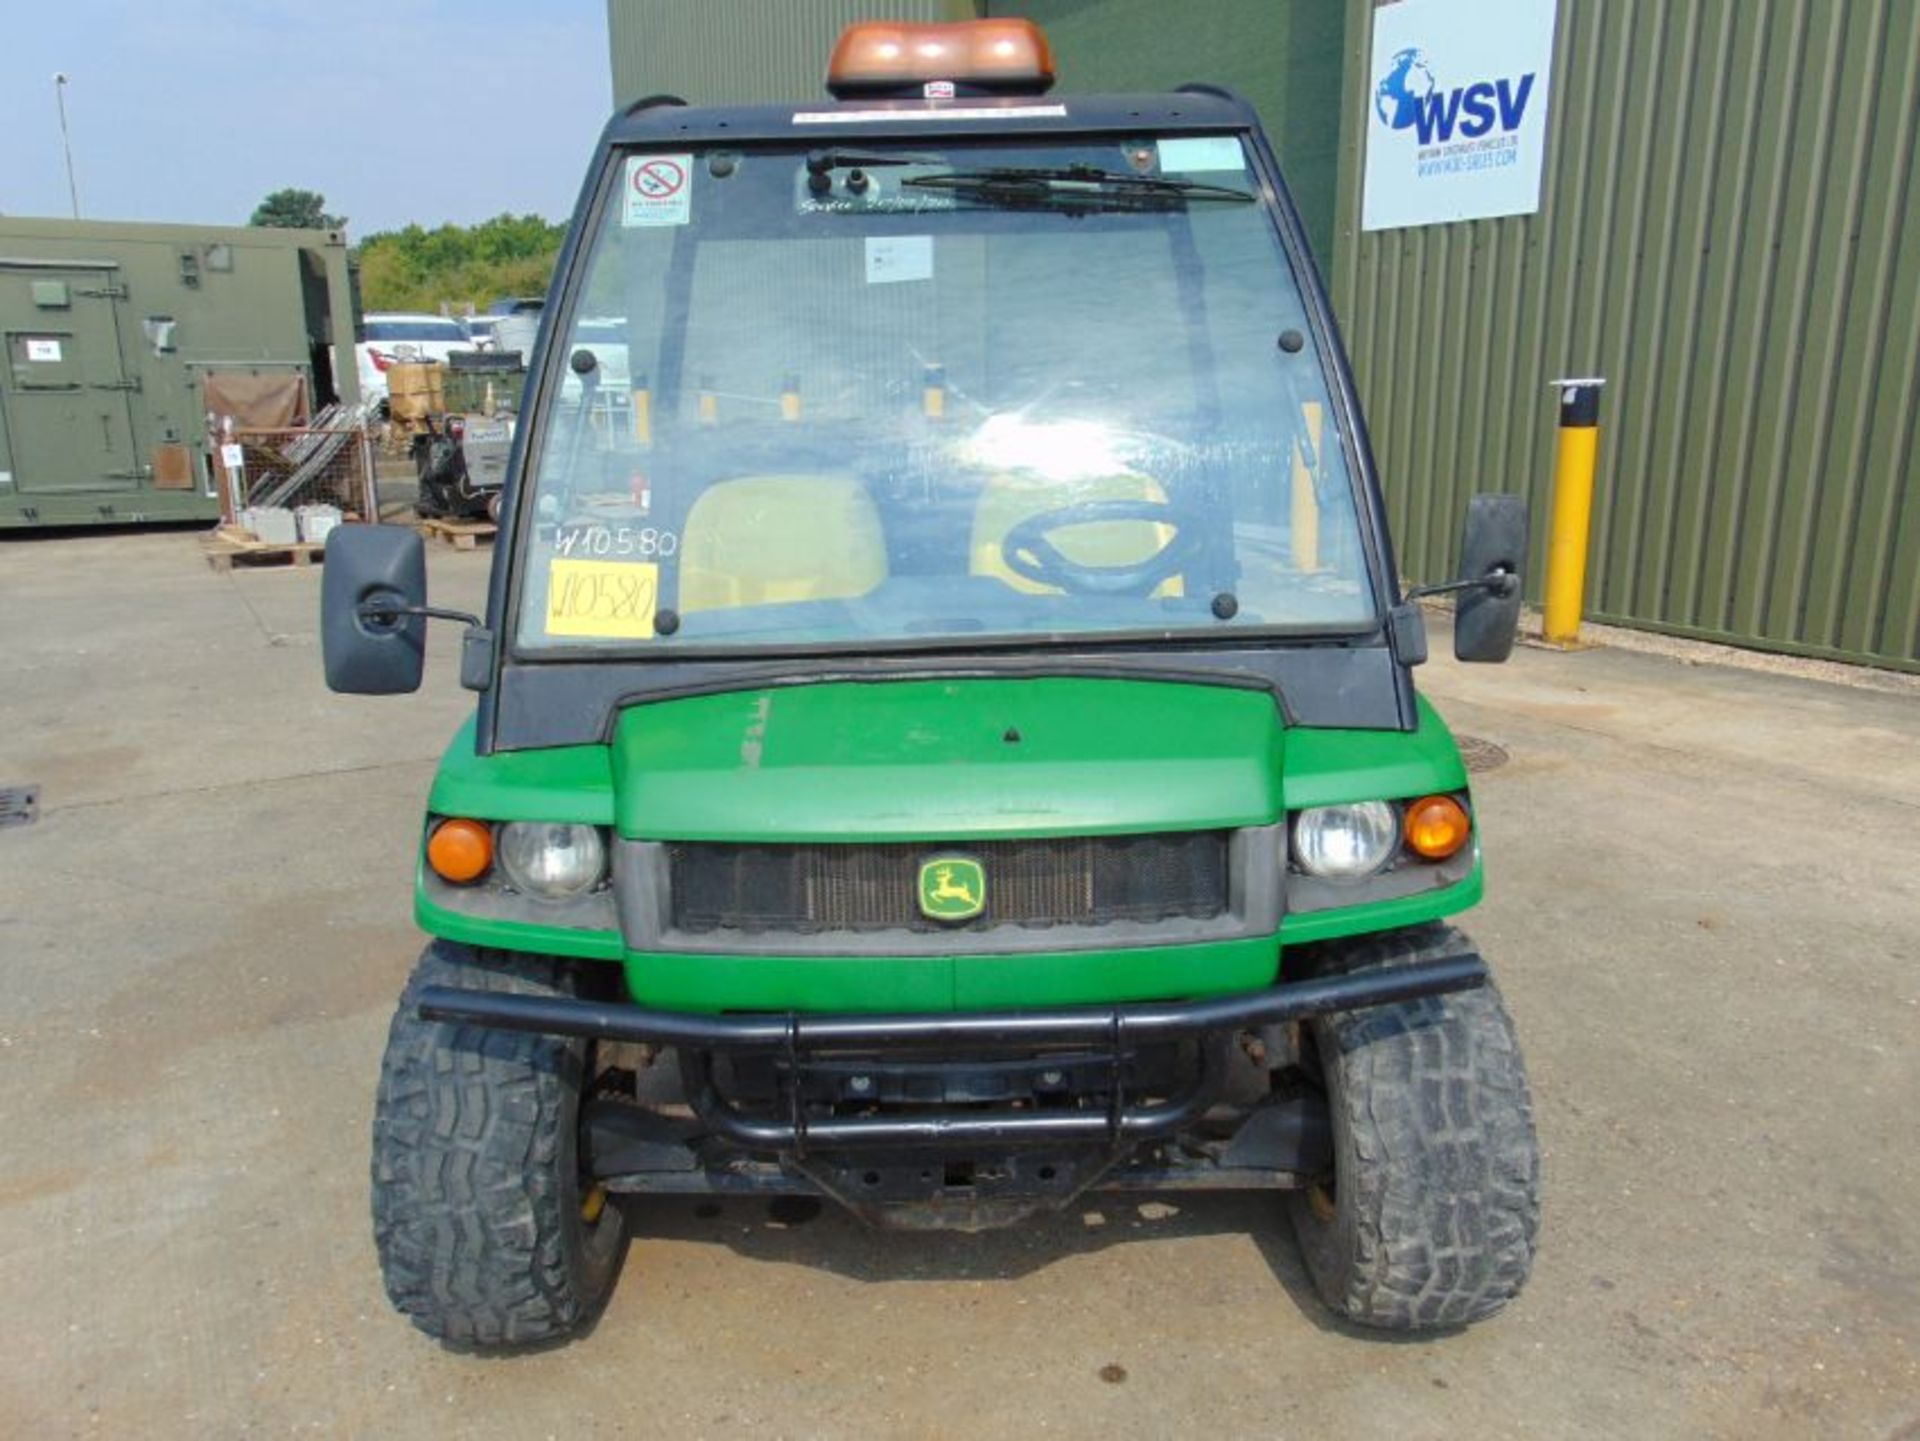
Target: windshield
(415, 330)
(979, 393)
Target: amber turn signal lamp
(1437, 826)
(460, 850)
(1001, 56)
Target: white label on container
(1202, 152)
(899, 257)
(43, 349)
(233, 457)
(659, 190)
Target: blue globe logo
(1403, 90)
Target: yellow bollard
(1578, 448)
(642, 411)
(1304, 524)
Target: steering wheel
(1029, 553)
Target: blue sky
(397, 110)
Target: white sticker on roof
(1202, 152)
(659, 190)
(964, 112)
(899, 257)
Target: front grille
(1073, 881)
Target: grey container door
(69, 425)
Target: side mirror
(377, 654)
(1493, 559)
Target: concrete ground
(1704, 911)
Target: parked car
(386, 339)
(517, 305)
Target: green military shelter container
(121, 339)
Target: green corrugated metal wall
(1727, 190)
(1282, 54)
(1730, 232)
(714, 52)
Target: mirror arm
(476, 650)
(383, 612)
(1502, 583)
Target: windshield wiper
(1076, 186)
(822, 163)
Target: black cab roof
(665, 118)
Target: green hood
(947, 760)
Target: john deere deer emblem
(952, 888)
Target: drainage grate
(1481, 755)
(19, 805)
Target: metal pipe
(1304, 510)
(1124, 1126)
(66, 143)
(991, 1030)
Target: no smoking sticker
(659, 190)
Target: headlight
(1345, 843)
(551, 861)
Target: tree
(294, 209)
(414, 268)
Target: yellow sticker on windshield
(613, 599)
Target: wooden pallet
(230, 546)
(460, 534)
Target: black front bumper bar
(797, 1035)
(996, 1030)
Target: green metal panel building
(1281, 55)
(718, 51)
(112, 331)
(1274, 52)
(1729, 231)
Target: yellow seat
(775, 539)
(1010, 498)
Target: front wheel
(489, 1234)
(1429, 1218)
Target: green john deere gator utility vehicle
(946, 737)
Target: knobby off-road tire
(1434, 1204)
(477, 1198)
